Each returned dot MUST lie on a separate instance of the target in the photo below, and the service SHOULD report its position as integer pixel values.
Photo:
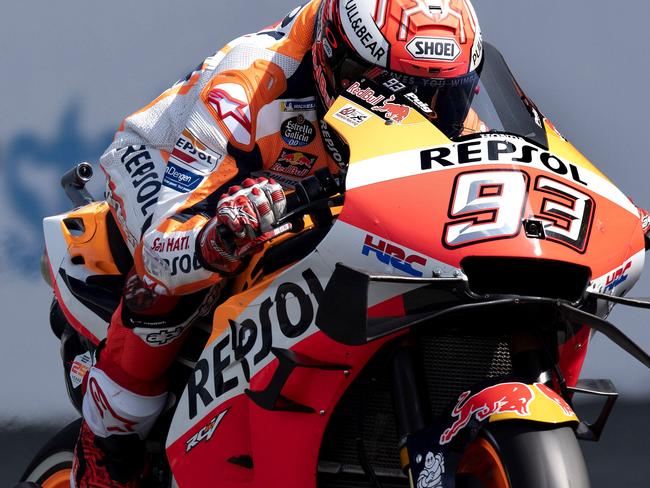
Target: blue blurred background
(72, 70)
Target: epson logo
(441, 49)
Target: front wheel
(52, 466)
(523, 454)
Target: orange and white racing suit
(248, 110)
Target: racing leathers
(245, 118)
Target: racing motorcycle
(422, 323)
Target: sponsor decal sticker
(171, 244)
(415, 100)
(351, 115)
(298, 105)
(188, 150)
(80, 367)
(206, 433)
(231, 104)
(294, 163)
(285, 181)
(298, 131)
(333, 150)
(501, 398)
(366, 94)
(617, 277)
(145, 180)
(393, 111)
(434, 48)
(283, 317)
(496, 150)
(180, 179)
(432, 471)
(161, 337)
(394, 256)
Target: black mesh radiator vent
(450, 365)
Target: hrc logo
(394, 256)
(617, 277)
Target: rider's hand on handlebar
(250, 212)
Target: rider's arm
(166, 168)
(200, 141)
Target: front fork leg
(409, 398)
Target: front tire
(524, 454)
(52, 466)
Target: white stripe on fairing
(384, 168)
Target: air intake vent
(530, 277)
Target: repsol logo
(498, 151)
(288, 316)
(438, 48)
(144, 178)
(184, 264)
(332, 148)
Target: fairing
(398, 216)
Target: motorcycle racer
(217, 150)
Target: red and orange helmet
(426, 43)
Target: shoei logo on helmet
(438, 48)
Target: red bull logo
(551, 395)
(502, 398)
(294, 163)
(393, 111)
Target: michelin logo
(298, 105)
(180, 179)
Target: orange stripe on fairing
(301, 36)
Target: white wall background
(70, 70)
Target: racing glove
(245, 219)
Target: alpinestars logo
(230, 102)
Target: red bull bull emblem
(393, 111)
(294, 163)
(502, 398)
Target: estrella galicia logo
(298, 131)
(180, 179)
